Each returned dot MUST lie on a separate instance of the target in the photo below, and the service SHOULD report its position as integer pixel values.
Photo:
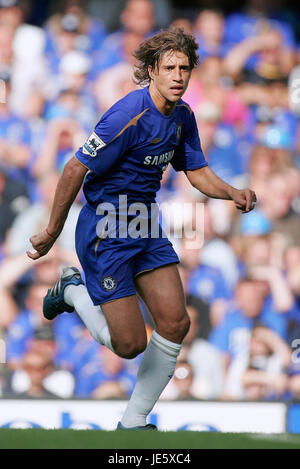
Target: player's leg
(162, 292)
(92, 316)
(69, 294)
(119, 324)
(126, 325)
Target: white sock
(155, 371)
(92, 316)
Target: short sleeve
(111, 138)
(188, 155)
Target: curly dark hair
(151, 51)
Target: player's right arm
(65, 194)
(113, 134)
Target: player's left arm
(207, 182)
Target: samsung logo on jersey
(159, 159)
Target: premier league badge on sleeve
(92, 145)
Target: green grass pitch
(93, 439)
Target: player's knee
(177, 329)
(182, 326)
(130, 349)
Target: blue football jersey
(132, 145)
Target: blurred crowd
(242, 282)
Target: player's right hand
(42, 243)
(244, 199)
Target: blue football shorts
(110, 265)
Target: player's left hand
(42, 243)
(244, 200)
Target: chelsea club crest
(108, 283)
